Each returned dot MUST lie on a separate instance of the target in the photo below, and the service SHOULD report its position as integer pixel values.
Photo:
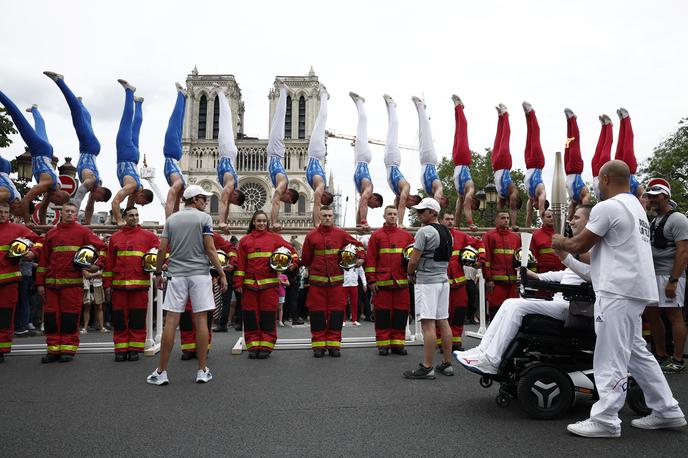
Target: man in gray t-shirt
(669, 237)
(184, 231)
(427, 268)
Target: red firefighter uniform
(541, 245)
(326, 302)
(130, 284)
(187, 329)
(500, 245)
(385, 268)
(63, 284)
(458, 296)
(10, 276)
(259, 283)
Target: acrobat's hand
(277, 227)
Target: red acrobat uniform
(130, 283)
(535, 158)
(501, 152)
(260, 287)
(386, 269)
(10, 276)
(573, 160)
(624, 148)
(326, 302)
(461, 152)
(603, 150)
(541, 244)
(500, 245)
(187, 328)
(63, 284)
(458, 296)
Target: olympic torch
(559, 195)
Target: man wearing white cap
(669, 238)
(189, 235)
(427, 268)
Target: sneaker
(158, 378)
(280, 324)
(671, 366)
(21, 332)
(652, 421)
(421, 372)
(475, 363)
(31, 327)
(356, 323)
(104, 330)
(590, 428)
(83, 331)
(445, 369)
(203, 376)
(344, 324)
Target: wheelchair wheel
(636, 400)
(545, 392)
(485, 381)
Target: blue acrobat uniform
(127, 142)
(173, 140)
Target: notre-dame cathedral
(201, 126)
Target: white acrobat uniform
(276, 146)
(316, 145)
(362, 152)
(392, 152)
(226, 145)
(426, 150)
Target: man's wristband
(673, 280)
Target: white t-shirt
(351, 276)
(621, 262)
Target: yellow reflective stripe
(369, 269)
(382, 343)
(459, 279)
(390, 250)
(259, 254)
(260, 343)
(331, 251)
(122, 345)
(37, 245)
(137, 344)
(318, 344)
(10, 275)
(391, 282)
(69, 347)
(481, 250)
(504, 277)
(333, 343)
(545, 250)
(264, 281)
(439, 341)
(456, 252)
(64, 281)
(232, 253)
(5, 344)
(503, 251)
(239, 273)
(327, 279)
(397, 342)
(488, 263)
(107, 274)
(53, 348)
(42, 269)
(4, 247)
(189, 346)
(102, 253)
(130, 253)
(130, 282)
(65, 248)
(456, 339)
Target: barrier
(482, 307)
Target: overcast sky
(590, 56)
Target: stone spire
(311, 72)
(194, 72)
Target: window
(287, 119)
(256, 196)
(216, 117)
(302, 204)
(287, 207)
(214, 204)
(302, 117)
(202, 116)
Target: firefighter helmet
(224, 260)
(532, 262)
(348, 257)
(408, 251)
(280, 259)
(149, 260)
(85, 257)
(468, 256)
(19, 247)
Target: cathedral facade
(201, 155)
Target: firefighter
(500, 274)
(127, 280)
(11, 250)
(187, 329)
(326, 301)
(258, 284)
(59, 282)
(386, 273)
(458, 295)
(541, 245)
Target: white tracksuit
(225, 136)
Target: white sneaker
(356, 323)
(475, 362)
(280, 324)
(344, 324)
(203, 376)
(158, 378)
(654, 422)
(590, 428)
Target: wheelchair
(547, 367)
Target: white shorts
(662, 281)
(198, 288)
(432, 301)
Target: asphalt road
(288, 405)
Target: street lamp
(491, 193)
(67, 168)
(24, 168)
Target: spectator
(352, 277)
(22, 324)
(281, 291)
(94, 297)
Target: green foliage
(669, 160)
(6, 129)
(482, 174)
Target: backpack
(444, 250)
(657, 238)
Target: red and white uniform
(10, 276)
(260, 285)
(130, 283)
(326, 303)
(500, 245)
(385, 267)
(63, 284)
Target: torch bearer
(559, 195)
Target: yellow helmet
(224, 260)
(19, 247)
(280, 259)
(85, 257)
(408, 251)
(468, 256)
(532, 262)
(348, 257)
(149, 260)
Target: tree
(6, 129)
(669, 160)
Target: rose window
(256, 196)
